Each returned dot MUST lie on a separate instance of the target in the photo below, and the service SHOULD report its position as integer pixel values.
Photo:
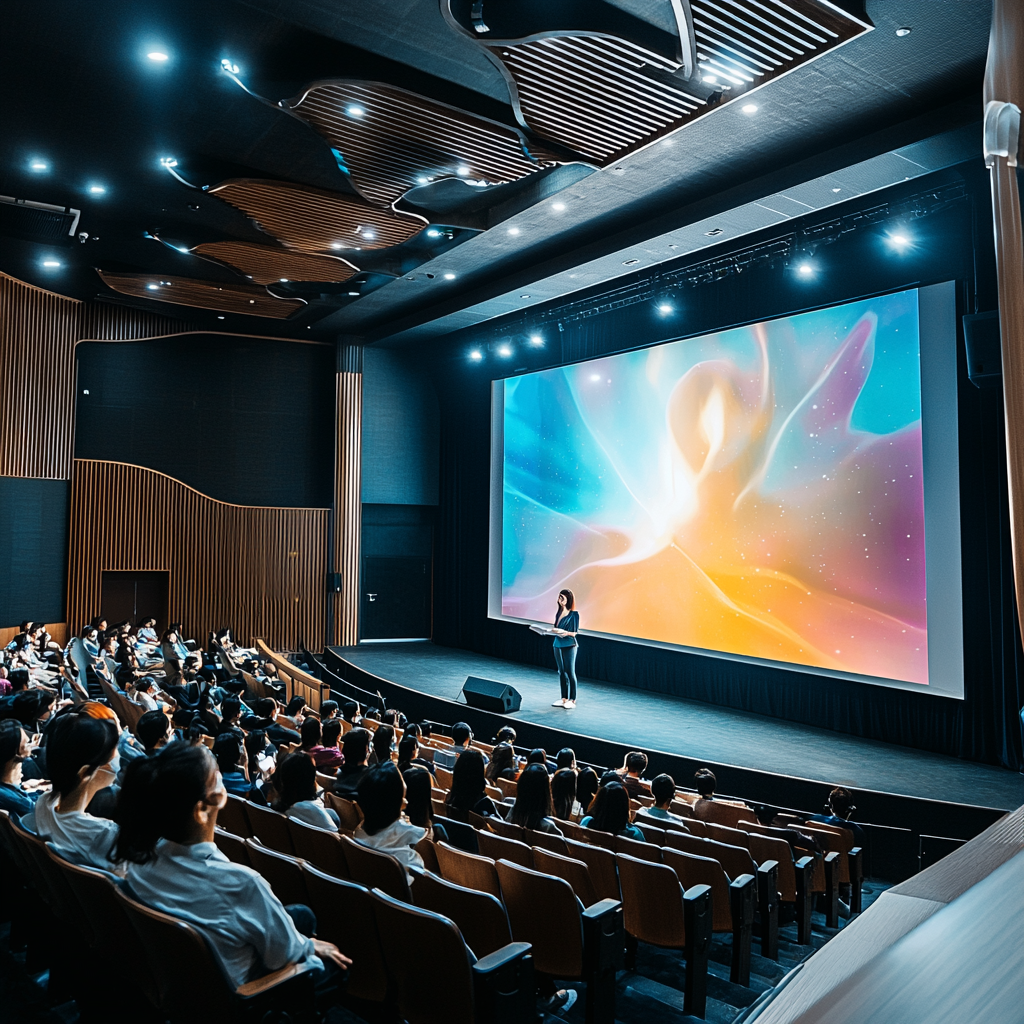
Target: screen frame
(941, 468)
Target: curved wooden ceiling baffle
(263, 264)
(581, 75)
(186, 291)
(312, 220)
(390, 140)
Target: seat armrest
(601, 909)
(503, 985)
(272, 980)
(500, 957)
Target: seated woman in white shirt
(81, 759)
(169, 808)
(295, 782)
(380, 794)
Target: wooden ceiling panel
(264, 264)
(185, 291)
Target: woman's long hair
(533, 797)
(294, 780)
(563, 793)
(468, 782)
(418, 808)
(383, 738)
(587, 784)
(503, 756)
(610, 812)
(570, 603)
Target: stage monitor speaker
(984, 356)
(490, 695)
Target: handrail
(296, 681)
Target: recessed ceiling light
(513, 231)
(51, 264)
(158, 56)
(284, 280)
(837, 190)
(229, 66)
(449, 277)
(476, 355)
(421, 180)
(711, 79)
(901, 32)
(749, 108)
(337, 245)
(664, 308)
(369, 233)
(899, 241)
(220, 318)
(558, 207)
(354, 294)
(183, 248)
(355, 111)
(504, 351)
(39, 165)
(433, 233)
(524, 296)
(97, 190)
(152, 287)
(462, 171)
(805, 270)
(536, 339)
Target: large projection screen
(785, 493)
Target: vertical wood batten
(348, 494)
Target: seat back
(722, 814)
(766, 848)
(496, 847)
(696, 827)
(723, 833)
(480, 916)
(376, 870)
(232, 817)
(601, 864)
(233, 847)
(469, 870)
(598, 838)
(652, 833)
(460, 835)
(506, 829)
(833, 840)
(652, 902)
(425, 848)
(570, 829)
(509, 787)
(345, 916)
(443, 777)
(347, 810)
(283, 872)
(429, 988)
(543, 910)
(644, 851)
(319, 847)
(269, 827)
(573, 870)
(547, 841)
(692, 870)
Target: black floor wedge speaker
(490, 695)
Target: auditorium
(594, 397)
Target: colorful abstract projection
(756, 492)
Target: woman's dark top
(416, 762)
(484, 807)
(570, 623)
(16, 800)
(236, 783)
(547, 825)
(347, 780)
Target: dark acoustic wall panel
(33, 549)
(243, 420)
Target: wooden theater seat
(573, 870)
(318, 847)
(469, 870)
(480, 916)
(643, 851)
(496, 847)
(601, 864)
(349, 815)
(232, 817)
(233, 847)
(269, 827)
(375, 869)
(282, 872)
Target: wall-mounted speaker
(984, 355)
(490, 695)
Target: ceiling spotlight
(513, 231)
(51, 264)
(805, 270)
(462, 171)
(337, 245)
(536, 339)
(97, 190)
(157, 56)
(228, 66)
(524, 296)
(39, 165)
(476, 355)
(901, 32)
(220, 318)
(664, 308)
(899, 242)
(749, 108)
(354, 295)
(152, 287)
(558, 207)
(284, 280)
(421, 180)
(168, 161)
(433, 233)
(369, 233)
(837, 190)
(449, 277)
(355, 111)
(504, 351)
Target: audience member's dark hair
(330, 732)
(533, 797)
(506, 734)
(76, 741)
(412, 729)
(19, 678)
(255, 745)
(349, 710)
(227, 750)
(11, 737)
(390, 717)
(609, 776)
(311, 733)
(295, 705)
(294, 780)
(503, 757)
(28, 706)
(461, 734)
(371, 715)
(663, 788)
(151, 728)
(841, 802)
(145, 684)
(230, 709)
(468, 783)
(382, 740)
(158, 799)
(537, 756)
(265, 707)
(705, 780)
(563, 793)
(586, 787)
(636, 762)
(196, 731)
(401, 722)
(408, 748)
(356, 746)
(418, 807)
(610, 812)
(379, 795)
(327, 709)
(566, 758)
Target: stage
(696, 731)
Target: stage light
(449, 277)
(536, 339)
(337, 245)
(476, 355)
(355, 111)
(805, 270)
(837, 190)
(433, 233)
(558, 207)
(354, 295)
(899, 242)
(229, 66)
(39, 166)
(504, 351)
(52, 264)
(421, 180)
(152, 287)
(513, 231)
(369, 234)
(168, 161)
(220, 318)
(462, 171)
(749, 108)
(97, 190)
(524, 296)
(665, 308)
(284, 280)
(158, 56)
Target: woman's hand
(329, 951)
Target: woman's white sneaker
(560, 703)
(569, 704)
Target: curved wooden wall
(258, 570)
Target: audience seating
(722, 814)
(567, 941)
(507, 786)
(496, 847)
(347, 810)
(233, 847)
(601, 864)
(480, 916)
(269, 827)
(460, 835)
(425, 848)
(282, 872)
(450, 984)
(376, 870)
(643, 851)
(657, 911)
(232, 817)
(652, 833)
(469, 870)
(546, 841)
(319, 847)
(506, 829)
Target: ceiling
(83, 102)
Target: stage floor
(679, 726)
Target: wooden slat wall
(58, 633)
(38, 331)
(258, 570)
(348, 508)
(103, 321)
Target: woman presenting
(567, 624)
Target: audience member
(663, 789)
(587, 784)
(328, 756)
(462, 738)
(610, 813)
(380, 795)
(468, 792)
(503, 763)
(311, 733)
(540, 756)
(295, 783)
(566, 758)
(630, 774)
(383, 743)
(293, 714)
(328, 710)
(154, 731)
(532, 807)
(230, 714)
(419, 807)
(705, 782)
(506, 734)
(265, 718)
(356, 750)
(409, 754)
(229, 754)
(837, 813)
(170, 803)
(563, 795)
(15, 796)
